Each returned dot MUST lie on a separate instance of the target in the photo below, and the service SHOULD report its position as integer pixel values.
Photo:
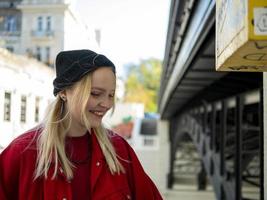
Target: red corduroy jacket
(18, 162)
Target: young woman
(71, 155)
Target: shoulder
(116, 139)
(17, 161)
(119, 143)
(25, 141)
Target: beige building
(45, 28)
(10, 25)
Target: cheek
(91, 103)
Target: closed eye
(95, 94)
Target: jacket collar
(98, 163)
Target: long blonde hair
(51, 142)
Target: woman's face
(103, 84)
(102, 95)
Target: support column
(265, 131)
(164, 154)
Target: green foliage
(127, 119)
(143, 82)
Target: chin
(95, 125)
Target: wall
(22, 76)
(155, 160)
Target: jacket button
(97, 164)
(128, 197)
(64, 198)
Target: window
(149, 141)
(23, 109)
(9, 48)
(38, 53)
(47, 55)
(148, 127)
(48, 23)
(39, 23)
(7, 106)
(10, 24)
(37, 105)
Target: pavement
(188, 192)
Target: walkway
(187, 192)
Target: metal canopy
(186, 35)
(192, 76)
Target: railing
(42, 34)
(10, 33)
(8, 4)
(31, 2)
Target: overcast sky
(130, 29)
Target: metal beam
(202, 21)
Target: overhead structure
(220, 111)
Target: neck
(76, 130)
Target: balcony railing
(10, 33)
(42, 34)
(6, 4)
(31, 2)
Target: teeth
(98, 113)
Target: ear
(62, 92)
(62, 95)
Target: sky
(131, 30)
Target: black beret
(72, 65)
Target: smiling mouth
(98, 113)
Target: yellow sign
(241, 35)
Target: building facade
(42, 28)
(25, 92)
(10, 25)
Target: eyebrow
(98, 88)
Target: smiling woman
(71, 155)
(100, 99)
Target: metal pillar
(261, 145)
(222, 136)
(238, 147)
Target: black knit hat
(72, 65)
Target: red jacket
(17, 166)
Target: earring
(63, 98)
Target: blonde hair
(51, 142)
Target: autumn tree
(143, 82)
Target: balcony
(10, 33)
(44, 34)
(34, 2)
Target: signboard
(241, 35)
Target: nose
(106, 102)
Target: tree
(143, 82)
